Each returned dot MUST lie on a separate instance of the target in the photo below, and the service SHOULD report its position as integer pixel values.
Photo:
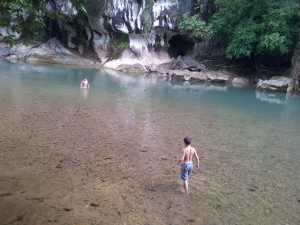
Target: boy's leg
(186, 186)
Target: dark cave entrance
(180, 45)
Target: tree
(194, 27)
(256, 27)
(27, 18)
(249, 28)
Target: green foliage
(118, 45)
(81, 41)
(146, 17)
(202, 57)
(193, 27)
(146, 23)
(26, 17)
(256, 27)
(298, 57)
(79, 24)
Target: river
(105, 155)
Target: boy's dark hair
(187, 140)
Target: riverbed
(105, 155)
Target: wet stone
(6, 194)
(68, 209)
(37, 199)
(95, 204)
(191, 221)
(107, 158)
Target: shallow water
(115, 144)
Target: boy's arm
(180, 160)
(197, 159)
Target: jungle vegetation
(259, 31)
(27, 17)
(256, 31)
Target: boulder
(16, 52)
(4, 50)
(240, 82)
(127, 61)
(202, 76)
(170, 70)
(187, 62)
(276, 83)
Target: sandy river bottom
(79, 160)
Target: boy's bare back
(186, 161)
(188, 153)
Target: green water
(248, 141)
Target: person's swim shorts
(186, 169)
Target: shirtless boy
(186, 162)
(84, 83)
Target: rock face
(295, 72)
(51, 52)
(144, 27)
(126, 62)
(281, 84)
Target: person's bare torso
(189, 152)
(84, 83)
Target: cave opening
(180, 45)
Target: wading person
(186, 162)
(84, 83)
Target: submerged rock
(95, 204)
(280, 84)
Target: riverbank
(184, 68)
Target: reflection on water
(84, 93)
(271, 97)
(117, 142)
(200, 86)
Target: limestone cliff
(144, 26)
(295, 72)
(132, 35)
